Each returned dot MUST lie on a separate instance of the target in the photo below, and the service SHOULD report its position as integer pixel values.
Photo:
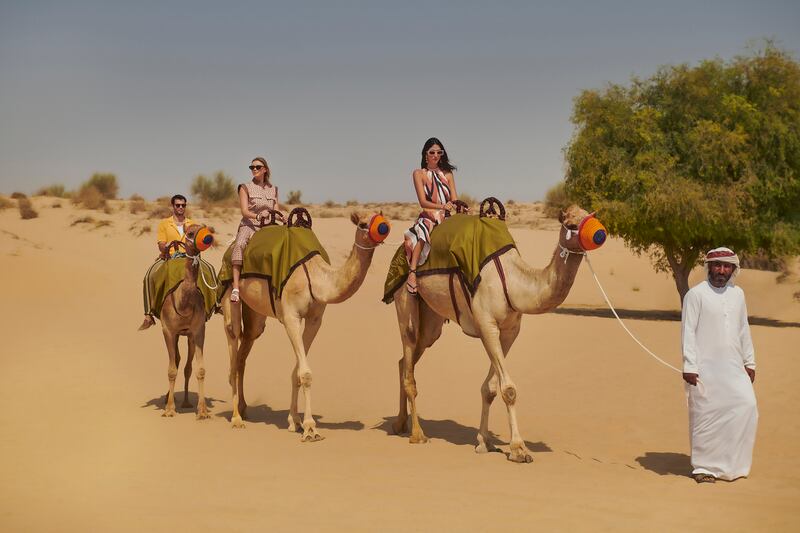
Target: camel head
(199, 238)
(580, 230)
(371, 230)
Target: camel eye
(571, 227)
(362, 225)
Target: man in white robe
(719, 368)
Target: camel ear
(561, 216)
(354, 218)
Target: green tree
(693, 158)
(219, 189)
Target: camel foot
(169, 412)
(294, 425)
(237, 423)
(311, 435)
(398, 427)
(203, 415)
(520, 455)
(418, 438)
(486, 448)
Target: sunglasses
(179, 206)
(256, 167)
(435, 152)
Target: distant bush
(83, 220)
(330, 204)
(556, 200)
(351, 203)
(468, 199)
(26, 210)
(89, 197)
(18, 195)
(160, 212)
(56, 191)
(5, 203)
(106, 184)
(137, 204)
(216, 190)
(295, 198)
(56, 205)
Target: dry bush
(106, 184)
(326, 213)
(219, 189)
(18, 195)
(56, 205)
(160, 212)
(56, 191)
(351, 203)
(5, 203)
(330, 204)
(102, 224)
(108, 209)
(26, 210)
(137, 204)
(89, 198)
(468, 199)
(295, 198)
(510, 201)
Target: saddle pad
(273, 253)
(462, 244)
(169, 275)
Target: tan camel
(493, 315)
(183, 313)
(300, 310)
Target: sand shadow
(454, 433)
(666, 463)
(659, 314)
(264, 414)
(160, 401)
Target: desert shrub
(326, 213)
(330, 204)
(161, 211)
(26, 210)
(102, 224)
(351, 203)
(137, 204)
(5, 203)
(295, 198)
(510, 201)
(556, 200)
(56, 205)
(89, 197)
(107, 209)
(56, 191)
(83, 220)
(106, 185)
(468, 199)
(18, 195)
(219, 189)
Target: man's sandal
(705, 478)
(235, 295)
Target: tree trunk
(681, 266)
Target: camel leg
(488, 394)
(172, 371)
(187, 373)
(253, 327)
(312, 323)
(196, 344)
(407, 309)
(294, 329)
(496, 343)
(233, 332)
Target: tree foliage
(693, 158)
(218, 189)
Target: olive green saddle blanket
(462, 244)
(166, 276)
(273, 253)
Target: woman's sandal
(412, 289)
(235, 295)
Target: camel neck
(340, 284)
(536, 291)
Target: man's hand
(752, 373)
(690, 378)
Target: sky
(339, 96)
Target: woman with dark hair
(436, 191)
(256, 198)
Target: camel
(493, 315)
(183, 313)
(300, 308)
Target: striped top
(437, 190)
(259, 198)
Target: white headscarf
(723, 255)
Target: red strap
(502, 274)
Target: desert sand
(84, 446)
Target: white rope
(657, 358)
(196, 263)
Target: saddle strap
(502, 274)
(305, 269)
(453, 298)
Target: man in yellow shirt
(172, 228)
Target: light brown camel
(300, 310)
(493, 316)
(183, 313)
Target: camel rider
(170, 229)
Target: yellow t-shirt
(168, 230)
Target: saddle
(169, 275)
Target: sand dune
(84, 447)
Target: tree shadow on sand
(264, 414)
(160, 401)
(659, 314)
(666, 463)
(454, 433)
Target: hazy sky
(338, 95)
